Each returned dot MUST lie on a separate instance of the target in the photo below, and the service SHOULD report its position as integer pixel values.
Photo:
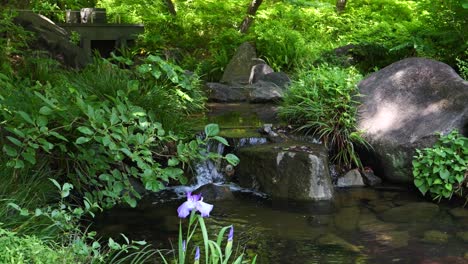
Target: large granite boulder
(281, 79)
(404, 105)
(286, 171)
(239, 68)
(261, 92)
(218, 92)
(52, 38)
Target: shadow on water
(359, 226)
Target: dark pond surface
(360, 225)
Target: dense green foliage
(288, 33)
(19, 250)
(443, 169)
(322, 102)
(93, 130)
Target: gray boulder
(281, 79)
(213, 192)
(258, 71)
(218, 92)
(369, 178)
(404, 105)
(238, 69)
(286, 171)
(261, 92)
(53, 39)
(352, 178)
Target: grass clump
(322, 102)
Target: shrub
(443, 169)
(322, 102)
(29, 249)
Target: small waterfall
(243, 142)
(211, 171)
(207, 171)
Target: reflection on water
(359, 226)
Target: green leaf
(57, 135)
(173, 162)
(448, 186)
(19, 164)
(45, 110)
(418, 182)
(85, 130)
(444, 174)
(232, 159)
(211, 130)
(82, 140)
(56, 183)
(221, 140)
(10, 151)
(29, 157)
(130, 201)
(26, 117)
(15, 141)
(66, 190)
(423, 189)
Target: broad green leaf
(10, 151)
(19, 164)
(232, 159)
(211, 130)
(42, 122)
(173, 162)
(444, 174)
(66, 189)
(29, 157)
(221, 140)
(26, 117)
(45, 110)
(85, 130)
(418, 182)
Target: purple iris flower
(194, 202)
(231, 233)
(197, 254)
(183, 245)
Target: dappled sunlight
(389, 116)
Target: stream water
(389, 224)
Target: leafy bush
(29, 249)
(99, 138)
(322, 102)
(443, 169)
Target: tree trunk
(251, 11)
(170, 7)
(340, 5)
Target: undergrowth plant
(442, 170)
(322, 102)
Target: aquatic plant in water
(213, 252)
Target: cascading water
(243, 142)
(211, 171)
